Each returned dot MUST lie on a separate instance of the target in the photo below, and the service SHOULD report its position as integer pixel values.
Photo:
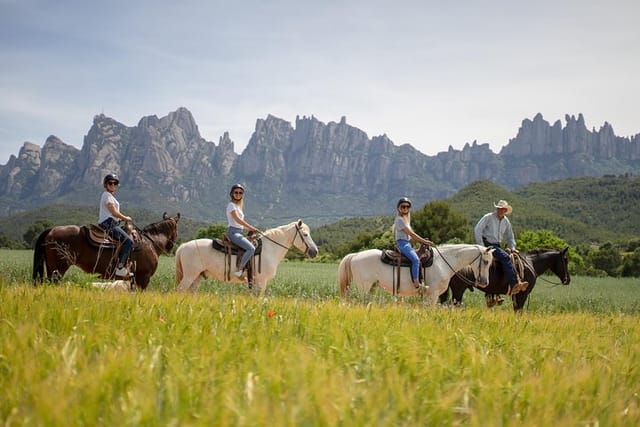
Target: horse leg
(444, 297)
(56, 269)
(188, 283)
(195, 284)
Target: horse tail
(345, 274)
(179, 271)
(38, 258)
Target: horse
(365, 269)
(60, 247)
(535, 262)
(197, 259)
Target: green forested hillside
(609, 202)
(579, 210)
(14, 226)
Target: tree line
(437, 221)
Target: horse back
(65, 233)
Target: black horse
(535, 263)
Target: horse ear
(177, 216)
(565, 250)
(299, 223)
(164, 215)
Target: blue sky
(432, 74)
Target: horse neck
(464, 255)
(158, 234)
(541, 261)
(278, 241)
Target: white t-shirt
(398, 227)
(105, 213)
(230, 220)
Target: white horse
(365, 269)
(197, 259)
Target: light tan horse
(197, 259)
(365, 270)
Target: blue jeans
(111, 227)
(505, 261)
(235, 235)
(407, 250)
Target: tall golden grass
(74, 355)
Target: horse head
(163, 234)
(304, 243)
(561, 266)
(484, 264)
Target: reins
(457, 274)
(290, 244)
(549, 281)
(145, 234)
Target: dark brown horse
(60, 247)
(535, 263)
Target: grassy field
(74, 355)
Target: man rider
(490, 231)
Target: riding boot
(518, 287)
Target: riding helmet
(111, 177)
(403, 200)
(235, 186)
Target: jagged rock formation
(321, 172)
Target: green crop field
(72, 355)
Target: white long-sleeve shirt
(494, 230)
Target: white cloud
(427, 73)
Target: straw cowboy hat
(502, 204)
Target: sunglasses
(113, 183)
(404, 206)
(238, 192)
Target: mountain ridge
(321, 171)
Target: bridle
(460, 276)
(298, 233)
(153, 242)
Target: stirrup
(517, 288)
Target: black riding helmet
(403, 200)
(235, 187)
(110, 177)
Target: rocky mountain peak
(320, 171)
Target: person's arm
(245, 224)
(116, 213)
(415, 236)
(511, 240)
(478, 229)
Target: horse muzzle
(312, 252)
(482, 282)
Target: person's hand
(127, 218)
(515, 251)
(428, 242)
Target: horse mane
(455, 245)
(160, 227)
(539, 251)
(278, 231)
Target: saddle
(229, 248)
(518, 265)
(98, 237)
(395, 258)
